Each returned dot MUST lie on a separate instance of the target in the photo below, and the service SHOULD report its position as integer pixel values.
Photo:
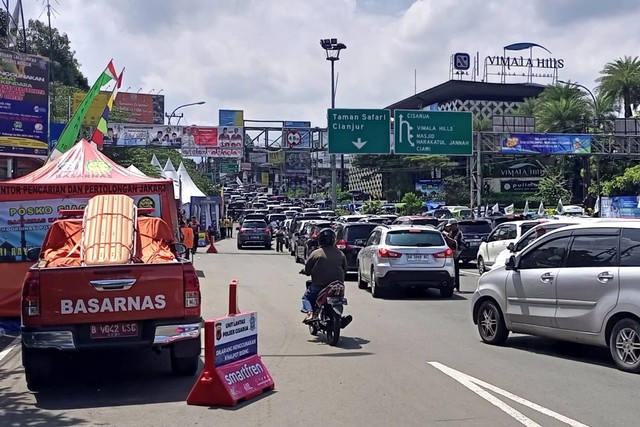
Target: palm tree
(621, 79)
(527, 107)
(562, 108)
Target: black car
(308, 239)
(351, 237)
(473, 230)
(294, 226)
(254, 233)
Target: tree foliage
(412, 204)
(621, 80)
(141, 158)
(552, 187)
(372, 207)
(624, 185)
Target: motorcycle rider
(325, 265)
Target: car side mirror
(511, 247)
(485, 239)
(180, 248)
(511, 263)
(33, 254)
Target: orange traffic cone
(212, 249)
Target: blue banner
(542, 143)
(236, 350)
(230, 118)
(621, 207)
(55, 130)
(24, 115)
(429, 186)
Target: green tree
(372, 207)
(412, 204)
(621, 80)
(552, 187)
(623, 185)
(562, 108)
(527, 108)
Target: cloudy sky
(264, 57)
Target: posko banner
(24, 224)
(620, 207)
(24, 114)
(542, 143)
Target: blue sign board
(231, 118)
(236, 337)
(296, 134)
(24, 114)
(621, 207)
(429, 186)
(55, 130)
(543, 143)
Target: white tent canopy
(156, 164)
(189, 188)
(135, 170)
(170, 172)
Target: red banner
(203, 136)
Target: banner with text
(139, 108)
(297, 162)
(24, 99)
(620, 207)
(542, 143)
(24, 224)
(236, 338)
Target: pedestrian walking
(455, 240)
(186, 235)
(223, 228)
(195, 224)
(279, 239)
(230, 227)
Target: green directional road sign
(228, 168)
(355, 131)
(433, 132)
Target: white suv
(401, 256)
(499, 239)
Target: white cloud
(263, 56)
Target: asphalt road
(413, 361)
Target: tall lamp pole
(595, 112)
(173, 113)
(332, 49)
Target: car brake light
(267, 230)
(244, 230)
(191, 292)
(314, 236)
(448, 253)
(31, 294)
(386, 253)
(342, 244)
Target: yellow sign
(265, 178)
(276, 157)
(95, 110)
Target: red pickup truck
(109, 280)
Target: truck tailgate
(110, 293)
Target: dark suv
(351, 237)
(308, 239)
(473, 230)
(254, 233)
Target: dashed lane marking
(480, 388)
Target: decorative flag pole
(70, 133)
(102, 130)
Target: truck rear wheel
(37, 366)
(185, 356)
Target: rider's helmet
(326, 237)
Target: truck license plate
(114, 330)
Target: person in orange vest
(187, 237)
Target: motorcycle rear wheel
(313, 329)
(333, 328)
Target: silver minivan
(580, 283)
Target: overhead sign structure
(433, 132)
(359, 131)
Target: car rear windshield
(358, 232)
(422, 238)
(425, 221)
(254, 224)
(277, 217)
(475, 228)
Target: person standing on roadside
(455, 240)
(196, 232)
(223, 228)
(279, 239)
(230, 227)
(186, 235)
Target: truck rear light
(342, 244)
(191, 292)
(386, 253)
(444, 254)
(31, 295)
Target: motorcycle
(327, 312)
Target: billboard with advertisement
(141, 108)
(199, 136)
(275, 157)
(297, 162)
(230, 136)
(24, 99)
(231, 118)
(429, 186)
(141, 135)
(24, 224)
(542, 143)
(231, 153)
(296, 135)
(620, 207)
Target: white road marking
(4, 353)
(477, 386)
(469, 273)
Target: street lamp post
(332, 49)
(173, 113)
(587, 169)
